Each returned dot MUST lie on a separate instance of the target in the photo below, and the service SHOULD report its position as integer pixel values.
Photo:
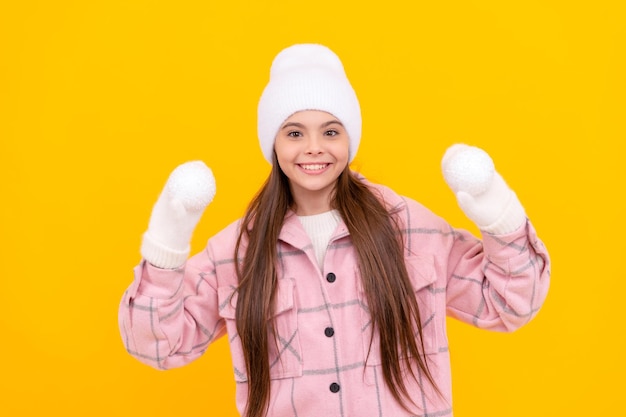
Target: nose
(314, 145)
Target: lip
(314, 168)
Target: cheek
(279, 150)
(284, 159)
(342, 151)
(282, 156)
(284, 148)
(280, 162)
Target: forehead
(311, 117)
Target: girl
(333, 291)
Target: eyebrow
(301, 126)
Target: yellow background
(101, 99)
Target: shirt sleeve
(499, 283)
(168, 318)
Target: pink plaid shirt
(318, 366)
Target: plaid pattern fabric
(322, 363)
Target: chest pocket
(285, 355)
(422, 275)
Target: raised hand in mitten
(189, 189)
(481, 192)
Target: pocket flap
(227, 297)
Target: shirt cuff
(157, 282)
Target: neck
(308, 203)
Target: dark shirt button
(331, 277)
(329, 332)
(334, 387)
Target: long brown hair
(379, 246)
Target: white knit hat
(307, 77)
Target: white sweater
(320, 228)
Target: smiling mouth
(313, 167)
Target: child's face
(312, 148)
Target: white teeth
(314, 167)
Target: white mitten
(189, 189)
(481, 192)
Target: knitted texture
(320, 228)
(189, 189)
(307, 77)
(481, 192)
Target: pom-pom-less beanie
(307, 77)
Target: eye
(331, 132)
(294, 134)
